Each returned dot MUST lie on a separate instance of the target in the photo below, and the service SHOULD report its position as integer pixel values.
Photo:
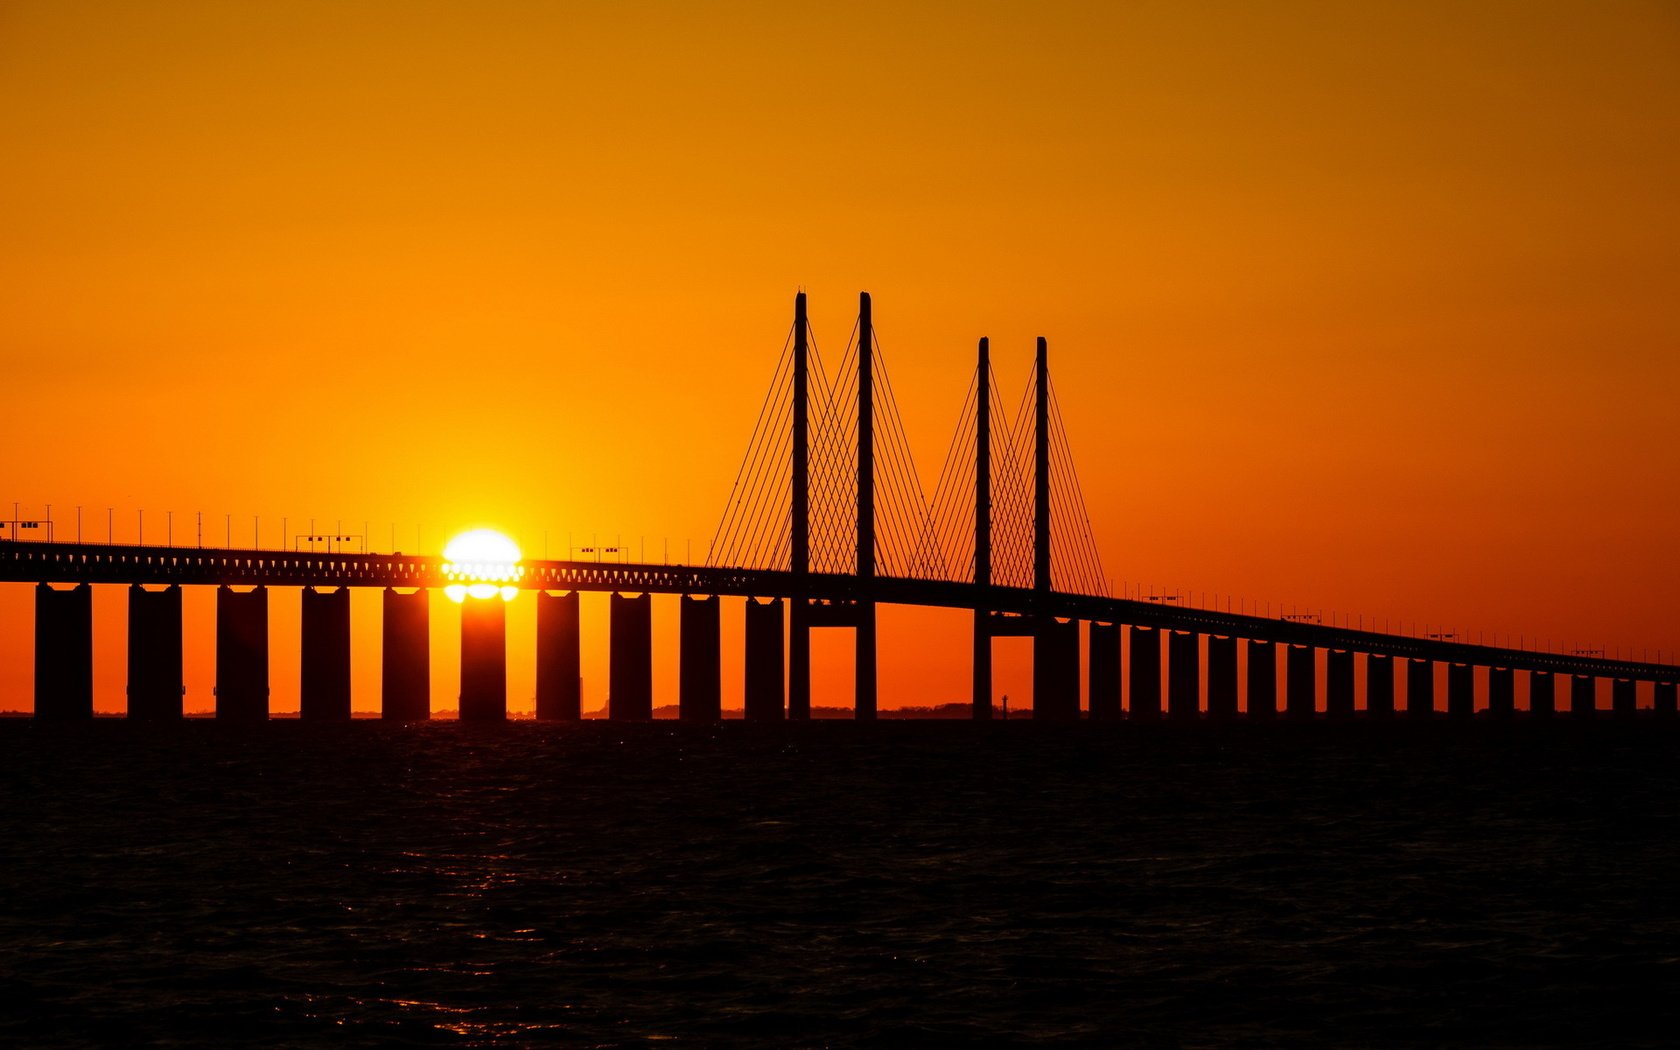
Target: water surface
(838, 885)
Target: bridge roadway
(71, 563)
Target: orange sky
(1351, 307)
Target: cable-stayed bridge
(827, 519)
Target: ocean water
(833, 884)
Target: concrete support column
(405, 659)
(1056, 671)
(630, 661)
(559, 659)
(1262, 679)
(1222, 677)
(1583, 696)
(1144, 644)
(63, 653)
(1502, 692)
(242, 654)
(699, 676)
(863, 705)
(1300, 678)
(1104, 678)
(1379, 685)
(1184, 676)
(1624, 697)
(1420, 688)
(324, 686)
(483, 660)
(1338, 683)
(1542, 694)
(1663, 699)
(1461, 691)
(154, 653)
(799, 660)
(764, 660)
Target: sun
(481, 563)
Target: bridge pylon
(864, 684)
(799, 617)
(982, 693)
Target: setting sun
(481, 563)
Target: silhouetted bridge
(827, 576)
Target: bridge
(827, 520)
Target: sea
(835, 884)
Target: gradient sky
(1357, 308)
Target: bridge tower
(1041, 471)
(1055, 645)
(865, 681)
(982, 693)
(799, 613)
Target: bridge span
(814, 535)
(1007, 610)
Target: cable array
(833, 462)
(915, 537)
(950, 524)
(745, 535)
(1075, 564)
(902, 542)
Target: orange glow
(1362, 309)
(481, 563)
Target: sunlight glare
(482, 563)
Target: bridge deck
(71, 563)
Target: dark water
(902, 884)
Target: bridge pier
(1053, 699)
(1379, 686)
(1144, 644)
(1663, 698)
(154, 653)
(483, 660)
(1056, 670)
(405, 658)
(630, 659)
(1502, 692)
(1104, 675)
(1624, 697)
(699, 676)
(559, 658)
(1338, 683)
(980, 700)
(1583, 696)
(1222, 676)
(763, 699)
(63, 652)
(1542, 694)
(1420, 688)
(798, 660)
(242, 654)
(1461, 691)
(1300, 677)
(866, 681)
(1184, 676)
(324, 687)
(1262, 679)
